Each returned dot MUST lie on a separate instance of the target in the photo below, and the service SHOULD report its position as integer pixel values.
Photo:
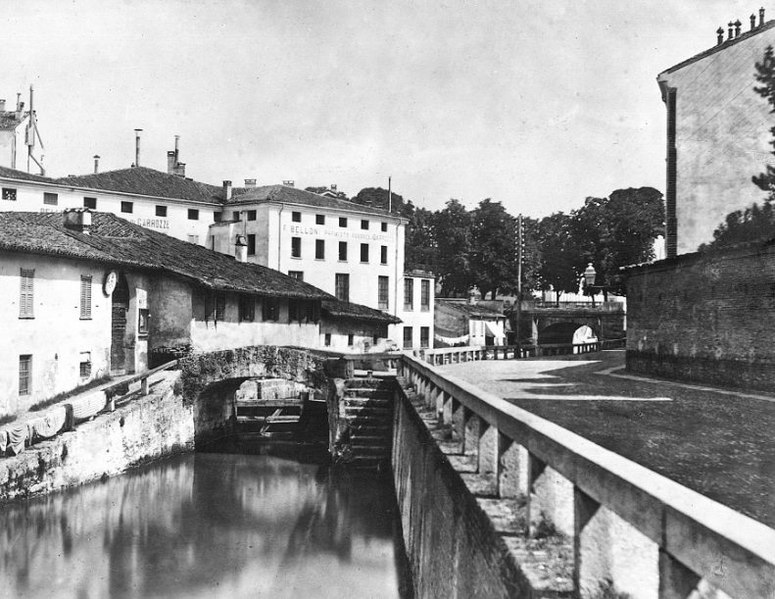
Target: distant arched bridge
(546, 323)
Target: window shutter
(85, 297)
(26, 292)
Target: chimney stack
(250, 182)
(19, 95)
(174, 165)
(289, 183)
(761, 16)
(96, 163)
(753, 22)
(137, 147)
(738, 24)
(78, 219)
(2, 105)
(241, 249)
(730, 30)
(226, 190)
(719, 36)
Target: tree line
(478, 247)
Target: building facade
(460, 322)
(718, 135)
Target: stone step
(371, 440)
(367, 401)
(377, 393)
(371, 427)
(368, 450)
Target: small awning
(494, 330)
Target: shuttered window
(27, 278)
(383, 284)
(85, 297)
(25, 374)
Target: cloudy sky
(535, 104)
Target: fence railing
(62, 417)
(623, 518)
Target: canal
(209, 525)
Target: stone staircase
(368, 412)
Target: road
(717, 442)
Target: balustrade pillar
(676, 581)
(512, 468)
(549, 500)
(472, 425)
(608, 548)
(487, 450)
(440, 402)
(458, 423)
(447, 409)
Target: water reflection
(206, 525)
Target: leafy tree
(452, 232)
(765, 74)
(421, 246)
(493, 256)
(560, 253)
(377, 197)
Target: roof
(141, 180)
(472, 310)
(339, 309)
(291, 195)
(719, 47)
(113, 240)
(9, 119)
(12, 173)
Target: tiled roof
(147, 181)
(472, 309)
(12, 173)
(338, 309)
(116, 241)
(9, 120)
(292, 195)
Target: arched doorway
(118, 323)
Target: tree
(377, 197)
(493, 256)
(452, 232)
(765, 74)
(421, 246)
(560, 253)
(618, 231)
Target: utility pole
(520, 240)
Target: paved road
(719, 443)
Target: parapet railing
(668, 535)
(455, 355)
(62, 417)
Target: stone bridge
(549, 324)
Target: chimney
(137, 147)
(227, 190)
(241, 249)
(289, 183)
(720, 35)
(738, 24)
(731, 26)
(761, 16)
(333, 186)
(19, 95)
(753, 22)
(2, 105)
(78, 219)
(250, 182)
(171, 162)
(96, 163)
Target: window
(193, 214)
(251, 244)
(9, 194)
(364, 252)
(365, 224)
(209, 306)
(51, 199)
(25, 374)
(27, 278)
(220, 306)
(270, 309)
(296, 217)
(142, 322)
(343, 221)
(295, 247)
(90, 203)
(342, 251)
(84, 366)
(408, 295)
(85, 297)
(408, 341)
(320, 249)
(320, 219)
(375, 340)
(236, 215)
(312, 311)
(382, 292)
(425, 295)
(127, 207)
(342, 287)
(425, 336)
(327, 338)
(251, 215)
(247, 308)
(217, 217)
(294, 310)
(350, 339)
(384, 227)
(296, 274)
(193, 239)
(161, 210)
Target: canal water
(208, 525)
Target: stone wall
(705, 318)
(147, 428)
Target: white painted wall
(416, 318)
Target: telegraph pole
(520, 240)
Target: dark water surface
(208, 525)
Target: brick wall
(706, 318)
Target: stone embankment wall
(147, 428)
(705, 317)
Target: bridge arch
(566, 332)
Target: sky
(534, 104)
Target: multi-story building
(718, 134)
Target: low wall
(147, 428)
(451, 543)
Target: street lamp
(589, 281)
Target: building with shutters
(462, 322)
